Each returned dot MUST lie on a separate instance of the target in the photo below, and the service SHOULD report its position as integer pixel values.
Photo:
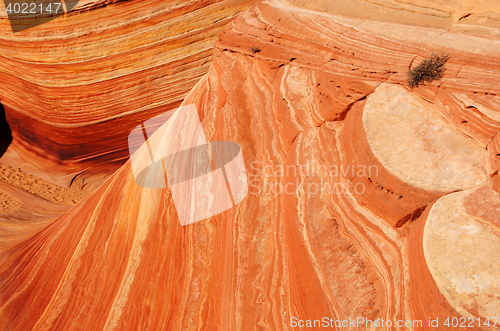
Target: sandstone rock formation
(314, 238)
(418, 155)
(454, 247)
(74, 87)
(470, 16)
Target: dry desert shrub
(428, 70)
(254, 49)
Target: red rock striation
(74, 87)
(475, 114)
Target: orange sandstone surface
(366, 199)
(73, 88)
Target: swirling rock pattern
(476, 115)
(306, 242)
(73, 88)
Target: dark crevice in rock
(5, 132)
(465, 16)
(411, 217)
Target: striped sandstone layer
(302, 243)
(469, 16)
(73, 88)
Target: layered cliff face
(73, 88)
(365, 200)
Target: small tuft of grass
(428, 70)
(254, 49)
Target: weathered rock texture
(457, 266)
(73, 88)
(470, 16)
(28, 204)
(416, 155)
(312, 239)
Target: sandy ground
(16, 178)
(8, 203)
